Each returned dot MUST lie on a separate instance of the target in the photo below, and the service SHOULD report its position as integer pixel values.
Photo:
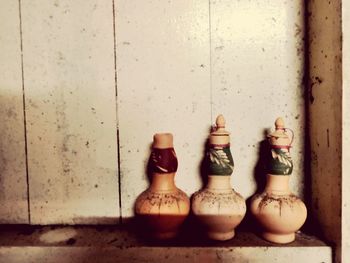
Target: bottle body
(219, 208)
(162, 207)
(279, 212)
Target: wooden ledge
(122, 244)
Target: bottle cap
(279, 138)
(220, 136)
(280, 131)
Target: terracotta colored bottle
(163, 207)
(279, 212)
(218, 207)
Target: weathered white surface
(163, 85)
(69, 81)
(325, 104)
(123, 244)
(346, 134)
(257, 70)
(172, 254)
(13, 185)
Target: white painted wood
(13, 185)
(69, 82)
(163, 85)
(257, 70)
(346, 134)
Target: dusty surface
(127, 237)
(115, 244)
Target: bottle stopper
(219, 136)
(163, 140)
(279, 138)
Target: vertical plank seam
(307, 96)
(117, 118)
(24, 110)
(210, 64)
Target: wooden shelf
(122, 244)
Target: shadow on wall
(260, 171)
(203, 167)
(13, 180)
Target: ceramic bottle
(279, 212)
(162, 207)
(218, 207)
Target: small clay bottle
(162, 207)
(218, 207)
(279, 212)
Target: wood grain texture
(346, 134)
(69, 82)
(257, 70)
(325, 104)
(163, 81)
(13, 182)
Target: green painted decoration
(280, 162)
(220, 161)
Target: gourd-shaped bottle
(162, 207)
(218, 207)
(279, 212)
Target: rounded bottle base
(221, 236)
(278, 238)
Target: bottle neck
(163, 182)
(219, 182)
(277, 184)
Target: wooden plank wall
(13, 180)
(325, 104)
(345, 239)
(69, 81)
(257, 71)
(168, 80)
(163, 69)
(178, 64)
